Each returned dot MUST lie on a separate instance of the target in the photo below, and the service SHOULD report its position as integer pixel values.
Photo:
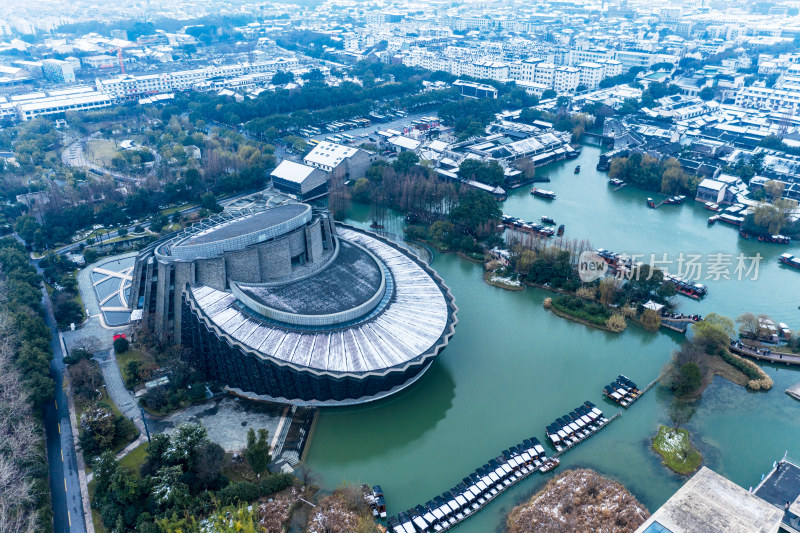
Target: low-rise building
(303, 181)
(710, 503)
(339, 161)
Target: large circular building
(284, 304)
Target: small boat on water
(650, 203)
(616, 182)
(790, 260)
(777, 239)
(712, 219)
(547, 220)
(543, 193)
(550, 464)
(743, 234)
(560, 231)
(711, 206)
(578, 169)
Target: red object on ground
(119, 335)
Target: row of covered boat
(622, 391)
(575, 427)
(476, 490)
(688, 288)
(672, 200)
(532, 227)
(776, 239)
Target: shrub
(241, 492)
(759, 380)
(121, 345)
(587, 293)
(275, 483)
(650, 320)
(616, 322)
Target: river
(512, 367)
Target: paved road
(61, 458)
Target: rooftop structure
(710, 503)
(304, 181)
(281, 304)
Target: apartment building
(566, 79)
(128, 86)
(766, 98)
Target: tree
(650, 320)
(689, 379)
(209, 201)
(404, 162)
(548, 93)
(680, 411)
(121, 345)
(282, 77)
(86, 378)
(706, 93)
(208, 466)
(132, 369)
(257, 452)
(713, 332)
(748, 325)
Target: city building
(303, 181)
(339, 161)
(282, 304)
(58, 71)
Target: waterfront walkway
(764, 354)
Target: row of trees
(25, 384)
(649, 173)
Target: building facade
(282, 304)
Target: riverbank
(502, 283)
(577, 501)
(676, 450)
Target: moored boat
(777, 239)
(577, 169)
(616, 182)
(711, 206)
(560, 231)
(547, 220)
(712, 219)
(675, 200)
(790, 260)
(543, 193)
(650, 203)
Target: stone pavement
(117, 391)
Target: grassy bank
(676, 450)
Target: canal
(513, 367)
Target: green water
(512, 368)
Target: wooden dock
(620, 187)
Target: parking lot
(362, 134)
